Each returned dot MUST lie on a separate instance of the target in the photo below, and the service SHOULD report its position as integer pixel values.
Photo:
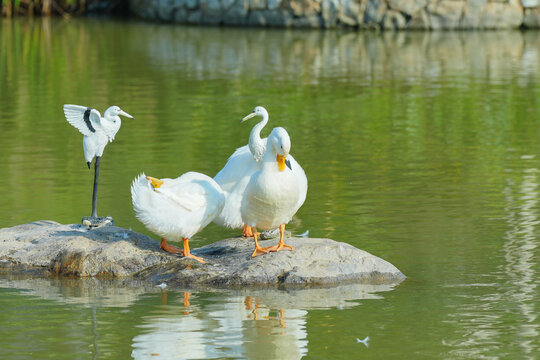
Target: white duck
(98, 132)
(272, 194)
(242, 164)
(177, 209)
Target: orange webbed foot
(199, 259)
(258, 252)
(187, 252)
(170, 248)
(280, 247)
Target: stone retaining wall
(371, 14)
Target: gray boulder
(445, 14)
(72, 250)
(408, 6)
(374, 12)
(50, 248)
(419, 21)
(165, 10)
(211, 11)
(237, 13)
(329, 12)
(532, 18)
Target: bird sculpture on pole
(98, 131)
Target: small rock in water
(274, 233)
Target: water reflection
(258, 323)
(269, 55)
(519, 253)
(239, 327)
(86, 292)
(253, 324)
(349, 56)
(512, 288)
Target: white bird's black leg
(94, 194)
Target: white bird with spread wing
(98, 132)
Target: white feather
(180, 207)
(272, 196)
(99, 131)
(241, 166)
(75, 116)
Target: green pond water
(421, 148)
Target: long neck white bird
(245, 161)
(257, 146)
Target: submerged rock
(50, 248)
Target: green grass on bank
(66, 8)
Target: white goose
(98, 132)
(272, 194)
(177, 209)
(242, 164)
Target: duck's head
(115, 111)
(280, 143)
(258, 111)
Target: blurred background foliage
(65, 8)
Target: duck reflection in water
(200, 328)
(249, 306)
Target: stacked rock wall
(378, 14)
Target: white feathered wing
(234, 178)
(180, 207)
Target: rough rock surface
(72, 250)
(377, 14)
(46, 247)
(532, 18)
